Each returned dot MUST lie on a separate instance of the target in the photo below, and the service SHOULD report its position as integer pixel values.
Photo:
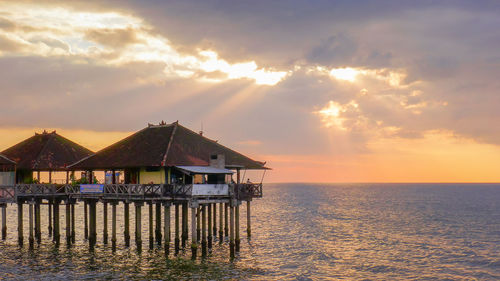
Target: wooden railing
(7, 194)
(39, 189)
(245, 191)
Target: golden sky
(335, 93)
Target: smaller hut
(47, 152)
(7, 171)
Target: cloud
(115, 38)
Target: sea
(300, 231)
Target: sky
(323, 91)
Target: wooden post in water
(231, 232)
(194, 241)
(158, 223)
(92, 223)
(31, 237)
(73, 228)
(151, 238)
(214, 230)
(57, 228)
(85, 219)
(221, 213)
(126, 218)
(138, 225)
(113, 225)
(249, 225)
(203, 230)
(237, 226)
(209, 227)
(49, 208)
(105, 223)
(184, 223)
(198, 223)
(4, 222)
(38, 218)
(166, 235)
(176, 241)
(20, 223)
(68, 223)
(226, 219)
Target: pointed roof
(46, 151)
(6, 161)
(164, 145)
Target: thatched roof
(164, 145)
(46, 151)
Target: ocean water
(301, 232)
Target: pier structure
(162, 165)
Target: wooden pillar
(4, 222)
(203, 230)
(126, 218)
(198, 223)
(177, 241)
(184, 223)
(50, 176)
(209, 226)
(226, 219)
(38, 224)
(73, 228)
(49, 208)
(166, 234)
(31, 237)
(105, 223)
(67, 177)
(92, 223)
(138, 225)
(214, 230)
(113, 225)
(151, 238)
(158, 224)
(85, 219)
(20, 236)
(57, 227)
(221, 232)
(68, 223)
(237, 226)
(194, 238)
(231, 232)
(249, 225)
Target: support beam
(177, 241)
(105, 223)
(49, 208)
(138, 225)
(214, 230)
(221, 214)
(203, 230)
(126, 218)
(226, 219)
(198, 223)
(4, 222)
(20, 236)
(57, 228)
(166, 234)
(113, 226)
(92, 223)
(231, 232)
(249, 225)
(38, 223)
(86, 220)
(237, 226)
(184, 224)
(73, 228)
(68, 223)
(158, 224)
(31, 236)
(151, 238)
(209, 226)
(194, 241)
